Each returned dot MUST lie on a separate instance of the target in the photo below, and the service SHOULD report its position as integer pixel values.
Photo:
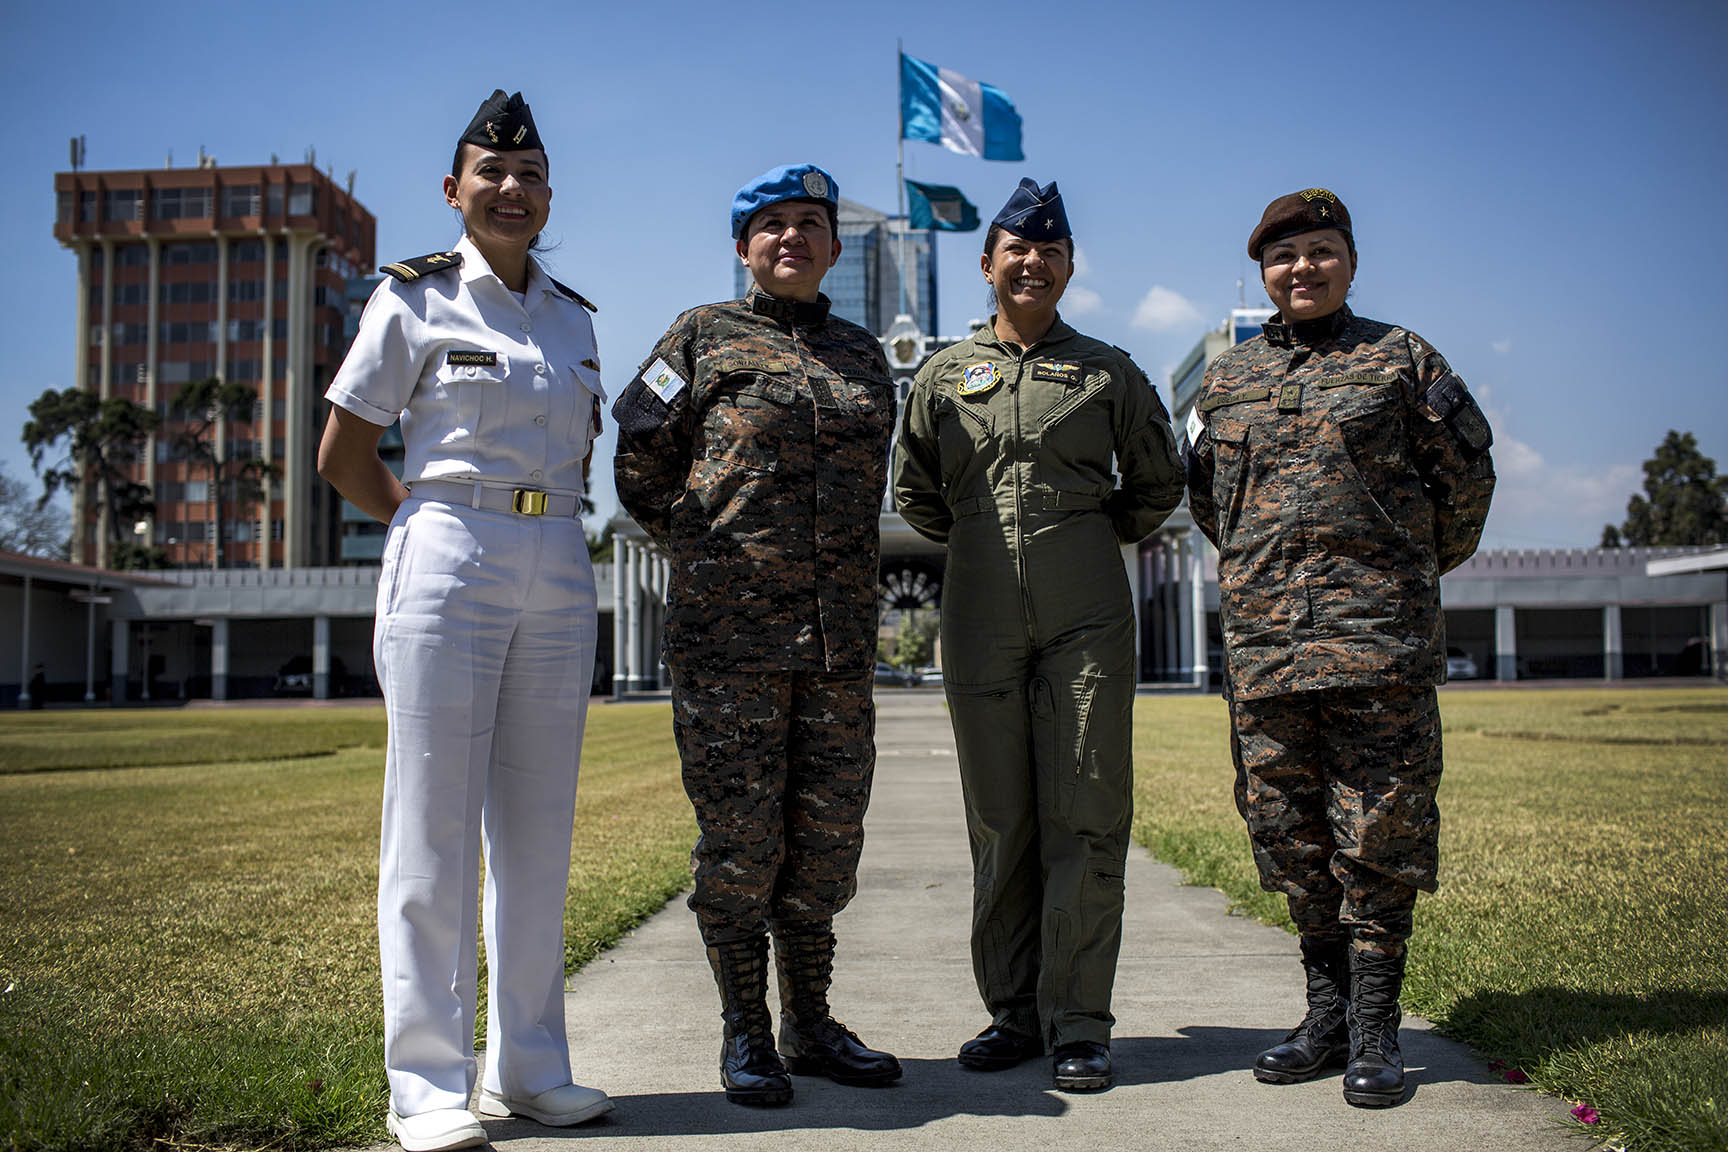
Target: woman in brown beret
(1339, 466)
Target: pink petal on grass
(1516, 1076)
(1586, 1114)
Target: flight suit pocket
(469, 391)
(963, 431)
(1095, 737)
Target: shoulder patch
(411, 270)
(573, 294)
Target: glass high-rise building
(865, 284)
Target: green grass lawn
(1580, 934)
(188, 945)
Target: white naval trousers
(484, 647)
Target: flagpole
(900, 169)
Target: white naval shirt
(524, 419)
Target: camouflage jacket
(1340, 467)
(991, 428)
(753, 450)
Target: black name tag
(461, 359)
(1058, 371)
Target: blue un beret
(787, 182)
(1034, 213)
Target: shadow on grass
(1536, 1023)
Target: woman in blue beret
(485, 636)
(1037, 455)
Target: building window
(63, 208)
(188, 253)
(132, 255)
(240, 200)
(301, 201)
(273, 200)
(120, 204)
(184, 292)
(246, 251)
(87, 206)
(276, 530)
(179, 203)
(245, 289)
(197, 491)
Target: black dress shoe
(1083, 1066)
(997, 1048)
(829, 1048)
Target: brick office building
(234, 272)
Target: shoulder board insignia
(408, 271)
(573, 294)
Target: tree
(100, 439)
(917, 643)
(30, 525)
(1684, 501)
(246, 480)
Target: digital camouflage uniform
(753, 450)
(1339, 466)
(1011, 459)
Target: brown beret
(1309, 210)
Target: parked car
(1460, 665)
(891, 676)
(928, 676)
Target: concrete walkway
(1198, 994)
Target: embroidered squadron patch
(459, 358)
(1059, 371)
(979, 379)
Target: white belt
(522, 501)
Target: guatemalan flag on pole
(962, 115)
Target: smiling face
(504, 199)
(1308, 275)
(1028, 276)
(789, 247)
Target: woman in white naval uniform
(484, 641)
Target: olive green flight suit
(1011, 458)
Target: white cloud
(1164, 310)
(1538, 505)
(1082, 266)
(1502, 347)
(1078, 301)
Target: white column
(321, 657)
(90, 646)
(119, 644)
(1613, 644)
(1197, 605)
(1718, 638)
(219, 658)
(633, 616)
(618, 610)
(24, 649)
(1505, 642)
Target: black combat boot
(1323, 1037)
(750, 1069)
(1375, 1077)
(813, 1042)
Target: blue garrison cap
(1034, 213)
(787, 182)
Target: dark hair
(538, 244)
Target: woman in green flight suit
(1036, 454)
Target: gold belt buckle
(529, 502)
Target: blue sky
(1536, 187)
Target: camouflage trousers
(778, 767)
(1337, 787)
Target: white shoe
(440, 1130)
(557, 1107)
